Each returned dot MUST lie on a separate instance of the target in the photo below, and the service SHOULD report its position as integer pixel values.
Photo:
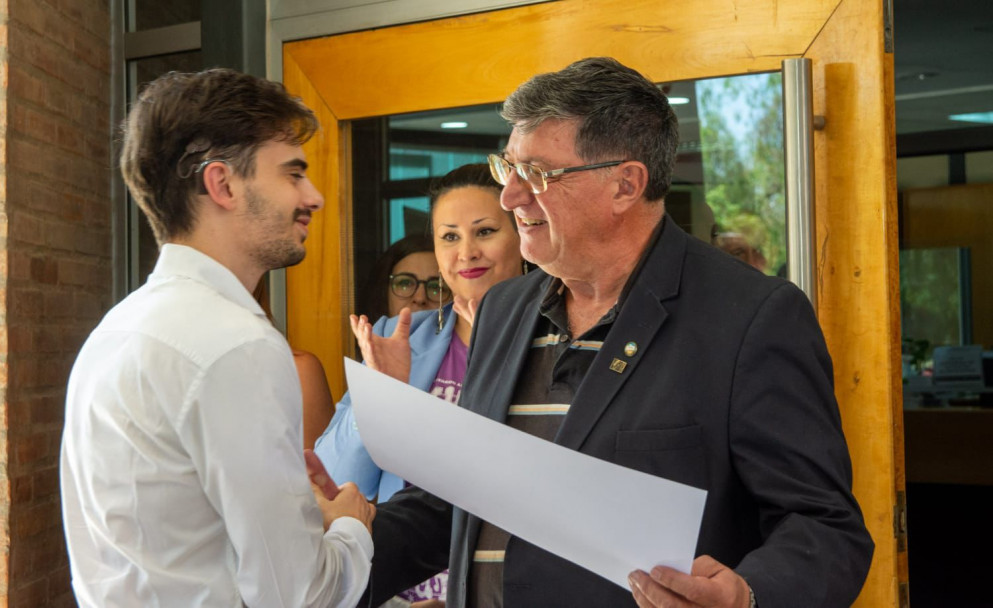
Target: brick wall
(55, 264)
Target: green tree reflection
(741, 135)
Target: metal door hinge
(900, 521)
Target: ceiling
(943, 62)
(943, 66)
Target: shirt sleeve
(242, 427)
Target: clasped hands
(337, 501)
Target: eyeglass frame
(494, 159)
(442, 288)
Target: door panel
(481, 58)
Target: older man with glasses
(661, 354)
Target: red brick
(91, 49)
(72, 10)
(60, 589)
(25, 86)
(46, 483)
(19, 266)
(31, 15)
(47, 547)
(93, 242)
(69, 137)
(44, 271)
(18, 417)
(60, 237)
(34, 593)
(49, 411)
(22, 489)
(32, 520)
(20, 338)
(98, 149)
(25, 303)
(72, 208)
(54, 372)
(49, 339)
(28, 228)
(55, 173)
(31, 448)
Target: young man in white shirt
(183, 475)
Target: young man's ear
(216, 178)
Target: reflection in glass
(409, 215)
(394, 160)
(932, 281)
(741, 139)
(727, 184)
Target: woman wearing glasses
(476, 246)
(405, 276)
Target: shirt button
(563, 338)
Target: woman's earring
(441, 317)
(524, 265)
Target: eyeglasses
(405, 284)
(535, 178)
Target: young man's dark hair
(182, 119)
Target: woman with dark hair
(406, 275)
(476, 246)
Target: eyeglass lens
(404, 285)
(501, 170)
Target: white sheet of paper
(607, 518)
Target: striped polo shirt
(556, 365)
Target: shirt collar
(553, 301)
(183, 261)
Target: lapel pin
(618, 366)
(631, 349)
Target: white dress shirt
(183, 480)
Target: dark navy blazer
(730, 390)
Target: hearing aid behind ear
(196, 146)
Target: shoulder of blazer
(513, 295)
(505, 304)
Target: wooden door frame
(480, 58)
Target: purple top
(447, 385)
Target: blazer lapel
(640, 319)
(505, 363)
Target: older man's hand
(711, 584)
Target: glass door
(394, 70)
(728, 183)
